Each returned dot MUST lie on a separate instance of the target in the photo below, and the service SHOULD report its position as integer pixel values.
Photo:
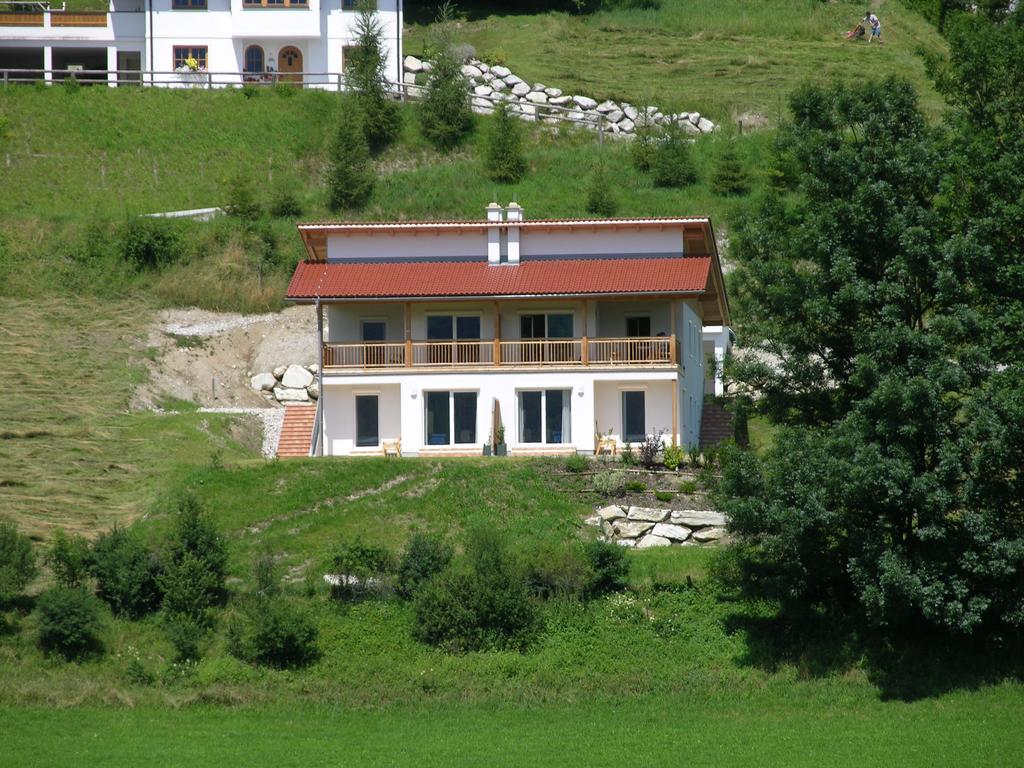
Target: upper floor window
(195, 4)
(190, 56)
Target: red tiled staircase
(296, 431)
(715, 425)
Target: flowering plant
(192, 64)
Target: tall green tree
(365, 66)
(672, 162)
(891, 499)
(445, 114)
(350, 175)
(504, 158)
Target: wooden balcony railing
(56, 18)
(604, 352)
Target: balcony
(486, 354)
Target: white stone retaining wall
(644, 527)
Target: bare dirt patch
(208, 357)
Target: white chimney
(513, 213)
(493, 234)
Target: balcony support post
(408, 334)
(497, 333)
(585, 340)
(672, 355)
(675, 412)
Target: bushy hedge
(17, 562)
(274, 631)
(126, 573)
(425, 556)
(69, 622)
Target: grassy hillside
(719, 57)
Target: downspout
(319, 451)
(399, 12)
(149, 5)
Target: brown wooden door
(289, 64)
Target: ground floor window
(367, 420)
(254, 59)
(544, 416)
(185, 55)
(450, 417)
(634, 417)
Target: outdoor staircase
(296, 431)
(715, 425)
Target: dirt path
(208, 357)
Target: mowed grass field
(719, 57)
(979, 729)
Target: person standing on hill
(876, 26)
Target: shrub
(126, 573)
(557, 571)
(147, 243)
(361, 569)
(195, 538)
(503, 157)
(265, 575)
(480, 603)
(71, 84)
(609, 483)
(186, 635)
(645, 145)
(627, 455)
(365, 65)
(286, 205)
(730, 177)
(17, 562)
(688, 487)
(240, 198)
(649, 450)
(636, 486)
(425, 555)
(70, 559)
(741, 421)
(664, 495)
(673, 456)
(609, 568)
(673, 164)
(190, 589)
(69, 622)
(273, 632)
(577, 463)
(600, 195)
(350, 175)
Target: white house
(210, 43)
(557, 335)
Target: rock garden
(289, 384)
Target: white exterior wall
(595, 399)
(226, 27)
(691, 398)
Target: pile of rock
(289, 384)
(644, 527)
(492, 85)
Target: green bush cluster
(350, 174)
(503, 155)
(69, 622)
(275, 632)
(425, 556)
(361, 569)
(609, 483)
(17, 562)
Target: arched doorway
(289, 64)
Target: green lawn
(719, 57)
(978, 729)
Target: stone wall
(644, 527)
(538, 102)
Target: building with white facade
(553, 336)
(192, 43)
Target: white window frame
(567, 393)
(451, 417)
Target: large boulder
(501, 71)
(627, 126)
(412, 64)
(650, 540)
(289, 395)
(627, 529)
(614, 116)
(471, 71)
(498, 85)
(705, 125)
(697, 518)
(279, 371)
(673, 532)
(520, 89)
(296, 377)
(705, 535)
(483, 90)
(607, 106)
(511, 80)
(537, 97)
(630, 111)
(409, 78)
(647, 514)
(263, 382)
(611, 512)
(313, 390)
(585, 102)
(553, 92)
(559, 101)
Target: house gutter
(490, 297)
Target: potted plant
(500, 449)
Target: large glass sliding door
(367, 420)
(634, 417)
(454, 328)
(544, 416)
(450, 417)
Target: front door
(634, 417)
(289, 64)
(367, 420)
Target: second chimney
(513, 214)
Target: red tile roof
(547, 277)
